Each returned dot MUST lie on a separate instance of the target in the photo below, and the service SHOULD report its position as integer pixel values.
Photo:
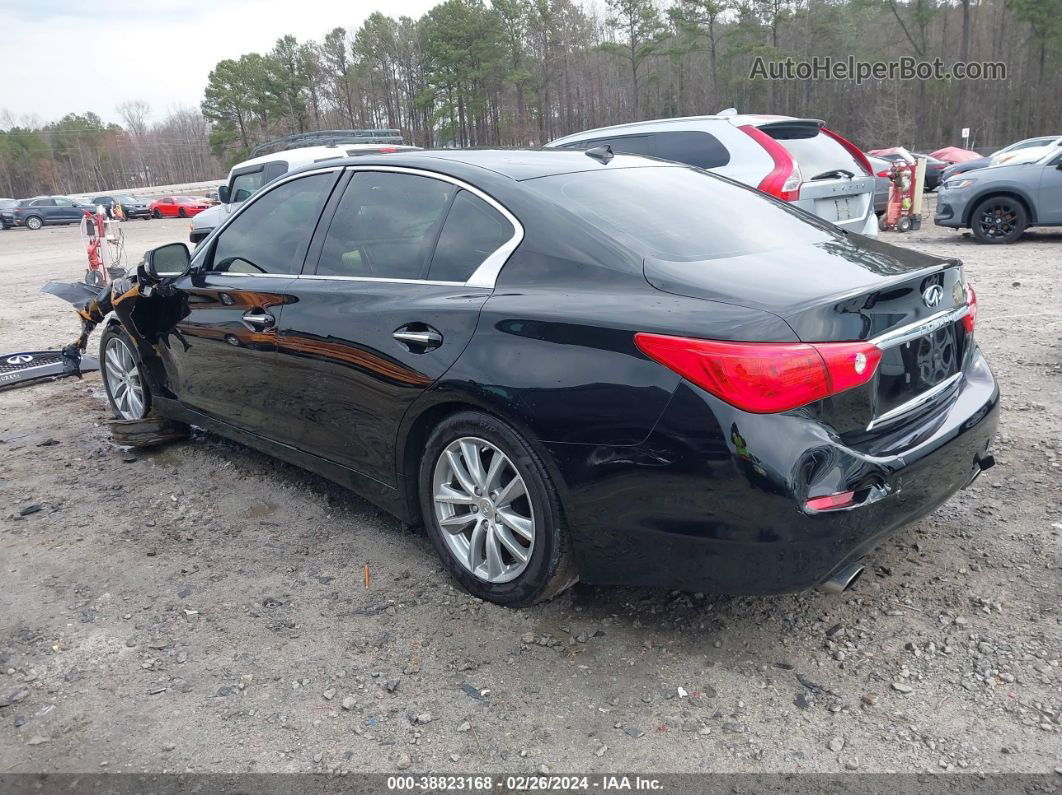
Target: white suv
(797, 160)
(247, 177)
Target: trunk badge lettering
(933, 295)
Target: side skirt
(380, 494)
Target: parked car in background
(999, 203)
(247, 177)
(132, 207)
(934, 168)
(45, 210)
(177, 206)
(797, 160)
(1026, 150)
(6, 204)
(998, 156)
(571, 366)
(882, 184)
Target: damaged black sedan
(571, 365)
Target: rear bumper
(712, 499)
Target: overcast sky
(62, 56)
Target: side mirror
(223, 194)
(172, 259)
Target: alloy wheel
(483, 509)
(998, 221)
(123, 380)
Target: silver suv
(798, 160)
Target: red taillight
(784, 179)
(969, 320)
(765, 377)
(884, 173)
(856, 153)
(831, 502)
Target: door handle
(259, 319)
(426, 339)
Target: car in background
(6, 204)
(45, 211)
(998, 156)
(247, 177)
(999, 203)
(177, 207)
(131, 206)
(797, 160)
(882, 184)
(567, 366)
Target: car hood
(213, 216)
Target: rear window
(679, 214)
(819, 154)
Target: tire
(117, 352)
(999, 219)
(904, 224)
(156, 214)
(549, 567)
(181, 213)
(34, 222)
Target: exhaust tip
(844, 579)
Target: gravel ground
(203, 607)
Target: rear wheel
(123, 377)
(492, 512)
(34, 222)
(999, 219)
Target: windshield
(674, 213)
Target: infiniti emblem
(933, 295)
(22, 358)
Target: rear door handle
(420, 340)
(259, 319)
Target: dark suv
(40, 210)
(132, 207)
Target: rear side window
(44, 203)
(819, 154)
(385, 226)
(271, 235)
(672, 213)
(473, 231)
(696, 148)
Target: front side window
(243, 185)
(472, 232)
(271, 234)
(385, 226)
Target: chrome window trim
(483, 277)
(912, 331)
(915, 402)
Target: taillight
(784, 179)
(857, 154)
(883, 173)
(969, 320)
(831, 502)
(765, 377)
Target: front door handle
(259, 320)
(420, 339)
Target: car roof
(516, 164)
(735, 119)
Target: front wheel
(123, 377)
(492, 512)
(999, 219)
(156, 214)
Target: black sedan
(566, 367)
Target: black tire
(114, 334)
(904, 224)
(34, 222)
(156, 214)
(999, 219)
(181, 213)
(551, 567)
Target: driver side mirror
(172, 259)
(223, 194)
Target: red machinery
(105, 246)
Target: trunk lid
(909, 304)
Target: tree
(640, 25)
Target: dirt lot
(202, 608)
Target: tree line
(521, 72)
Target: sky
(63, 56)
